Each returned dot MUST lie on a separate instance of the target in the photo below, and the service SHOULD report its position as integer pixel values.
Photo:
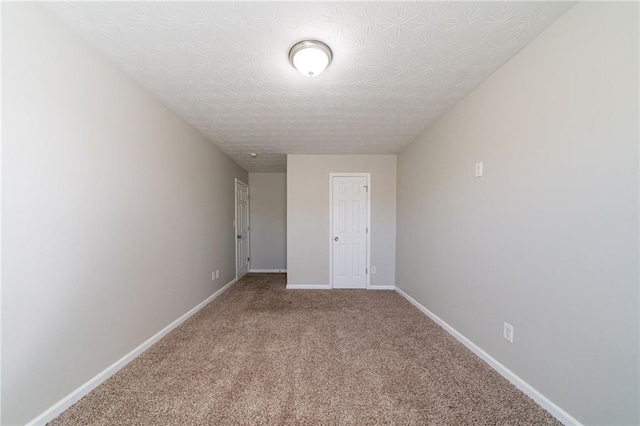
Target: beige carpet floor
(260, 354)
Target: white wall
(115, 213)
(268, 221)
(547, 240)
(308, 215)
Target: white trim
(517, 381)
(235, 224)
(349, 174)
(235, 221)
(1, 204)
(382, 287)
(268, 271)
(308, 287)
(59, 407)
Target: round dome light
(310, 57)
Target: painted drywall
(547, 239)
(115, 213)
(268, 221)
(308, 215)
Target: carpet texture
(261, 354)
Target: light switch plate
(479, 169)
(507, 332)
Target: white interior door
(349, 207)
(242, 229)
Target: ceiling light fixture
(310, 57)
(254, 155)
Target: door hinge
(367, 230)
(366, 270)
(366, 187)
(248, 259)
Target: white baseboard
(75, 396)
(308, 287)
(268, 271)
(328, 287)
(382, 287)
(557, 412)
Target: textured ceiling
(223, 66)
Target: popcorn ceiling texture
(260, 354)
(223, 67)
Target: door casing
(235, 224)
(368, 244)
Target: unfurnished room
(331, 213)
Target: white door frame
(331, 245)
(235, 222)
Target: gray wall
(308, 214)
(547, 240)
(115, 213)
(268, 220)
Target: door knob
(239, 236)
(335, 238)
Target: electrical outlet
(507, 332)
(217, 273)
(479, 169)
(213, 276)
(373, 270)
